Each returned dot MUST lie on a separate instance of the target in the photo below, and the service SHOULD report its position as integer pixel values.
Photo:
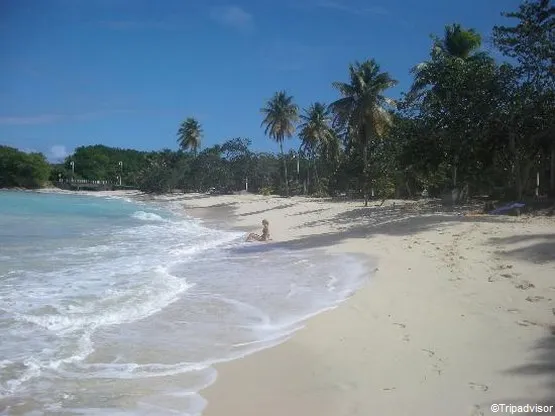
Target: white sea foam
(115, 309)
(147, 216)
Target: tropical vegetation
(470, 124)
(22, 170)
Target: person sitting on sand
(265, 233)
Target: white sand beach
(458, 315)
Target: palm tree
(362, 110)
(458, 45)
(453, 58)
(316, 133)
(189, 135)
(280, 117)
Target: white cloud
(233, 16)
(58, 153)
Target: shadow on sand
(539, 248)
(367, 223)
(283, 206)
(542, 367)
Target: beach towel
(506, 208)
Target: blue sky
(125, 73)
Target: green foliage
(531, 41)
(189, 135)
(102, 163)
(458, 42)
(266, 191)
(467, 122)
(280, 118)
(362, 112)
(159, 174)
(22, 170)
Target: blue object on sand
(506, 208)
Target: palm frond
(189, 134)
(357, 110)
(281, 116)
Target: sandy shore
(458, 316)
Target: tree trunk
(525, 175)
(365, 172)
(518, 181)
(552, 169)
(409, 192)
(308, 177)
(316, 181)
(516, 166)
(284, 168)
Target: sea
(113, 306)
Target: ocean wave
(152, 294)
(147, 216)
(117, 309)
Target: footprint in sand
(477, 386)
(429, 352)
(505, 266)
(524, 285)
(437, 369)
(476, 411)
(534, 299)
(525, 322)
(406, 338)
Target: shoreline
(452, 321)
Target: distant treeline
(468, 125)
(226, 167)
(22, 170)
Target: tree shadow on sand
(538, 248)
(543, 367)
(312, 211)
(376, 215)
(283, 206)
(367, 223)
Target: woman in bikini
(265, 233)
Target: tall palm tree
(453, 58)
(189, 135)
(362, 110)
(316, 133)
(458, 45)
(280, 118)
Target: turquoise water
(112, 306)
